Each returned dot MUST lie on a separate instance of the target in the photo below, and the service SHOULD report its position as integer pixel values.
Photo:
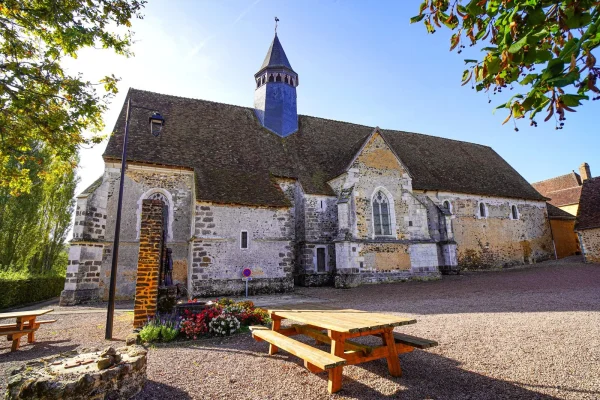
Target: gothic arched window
(160, 196)
(448, 206)
(278, 78)
(381, 214)
(271, 78)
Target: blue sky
(357, 61)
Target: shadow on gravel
(35, 350)
(549, 287)
(428, 375)
(157, 390)
(425, 375)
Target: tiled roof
(276, 57)
(588, 214)
(235, 159)
(557, 213)
(567, 181)
(564, 197)
(90, 189)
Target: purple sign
(246, 272)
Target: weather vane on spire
(276, 21)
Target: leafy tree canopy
(41, 106)
(544, 45)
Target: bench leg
(392, 358)
(276, 325)
(15, 343)
(335, 374)
(31, 335)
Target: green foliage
(224, 301)
(150, 333)
(168, 333)
(160, 329)
(556, 37)
(41, 105)
(34, 225)
(17, 290)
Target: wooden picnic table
(26, 324)
(335, 327)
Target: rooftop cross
(276, 21)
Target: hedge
(22, 291)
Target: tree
(546, 46)
(34, 225)
(41, 105)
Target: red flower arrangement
(194, 325)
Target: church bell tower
(275, 95)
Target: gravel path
(528, 333)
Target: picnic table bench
(26, 324)
(335, 327)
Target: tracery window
(381, 214)
(160, 196)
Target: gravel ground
(527, 333)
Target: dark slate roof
(566, 181)
(236, 160)
(588, 214)
(276, 57)
(557, 213)
(90, 189)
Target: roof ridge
(439, 137)
(556, 177)
(569, 188)
(314, 117)
(190, 98)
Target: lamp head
(157, 121)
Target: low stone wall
(237, 287)
(345, 281)
(314, 280)
(95, 375)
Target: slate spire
(275, 95)
(276, 57)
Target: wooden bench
(315, 360)
(26, 325)
(36, 325)
(414, 341)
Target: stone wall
(409, 251)
(590, 244)
(48, 378)
(497, 240)
(140, 182)
(318, 228)
(83, 273)
(148, 265)
(217, 256)
(86, 248)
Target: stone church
(299, 200)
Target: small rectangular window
(244, 240)
(321, 263)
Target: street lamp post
(156, 124)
